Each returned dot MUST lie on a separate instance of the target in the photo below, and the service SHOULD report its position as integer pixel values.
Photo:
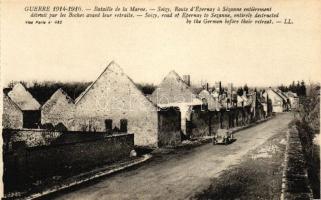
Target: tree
(292, 87)
(240, 91)
(146, 88)
(246, 89)
(283, 88)
(298, 88)
(303, 89)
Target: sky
(147, 50)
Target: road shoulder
(258, 176)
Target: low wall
(295, 184)
(43, 137)
(24, 165)
(206, 123)
(31, 137)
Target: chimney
(230, 90)
(187, 79)
(207, 87)
(230, 87)
(218, 87)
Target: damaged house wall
(173, 91)
(29, 106)
(58, 109)
(12, 117)
(114, 97)
(169, 127)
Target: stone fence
(68, 154)
(295, 183)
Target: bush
(312, 156)
(308, 125)
(146, 88)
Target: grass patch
(257, 177)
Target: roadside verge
(87, 176)
(295, 183)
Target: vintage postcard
(152, 99)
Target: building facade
(293, 99)
(113, 102)
(12, 117)
(27, 104)
(58, 109)
(173, 91)
(278, 103)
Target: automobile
(223, 136)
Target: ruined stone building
(267, 106)
(27, 104)
(285, 99)
(58, 109)
(207, 98)
(113, 101)
(173, 91)
(258, 106)
(279, 104)
(202, 114)
(12, 117)
(293, 100)
(113, 104)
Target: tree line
(43, 90)
(299, 88)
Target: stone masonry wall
(31, 137)
(60, 109)
(295, 180)
(172, 90)
(200, 123)
(169, 127)
(38, 163)
(114, 96)
(12, 116)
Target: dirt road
(180, 175)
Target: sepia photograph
(165, 100)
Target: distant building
(258, 103)
(209, 100)
(293, 99)
(230, 88)
(285, 98)
(267, 104)
(240, 101)
(278, 102)
(215, 94)
(58, 109)
(12, 116)
(29, 106)
(218, 87)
